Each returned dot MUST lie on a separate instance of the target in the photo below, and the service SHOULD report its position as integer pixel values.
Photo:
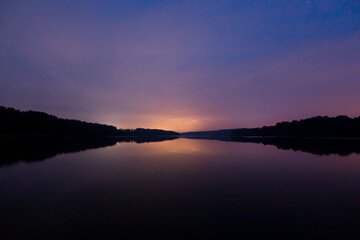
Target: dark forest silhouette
(340, 126)
(15, 122)
(318, 135)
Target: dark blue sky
(182, 65)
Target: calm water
(181, 188)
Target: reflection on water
(324, 146)
(186, 188)
(32, 149)
(319, 146)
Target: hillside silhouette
(340, 126)
(16, 122)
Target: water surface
(180, 188)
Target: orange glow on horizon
(164, 122)
(179, 124)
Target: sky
(181, 65)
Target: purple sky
(181, 65)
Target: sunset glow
(184, 65)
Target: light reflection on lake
(182, 187)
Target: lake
(177, 189)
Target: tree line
(16, 122)
(320, 126)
